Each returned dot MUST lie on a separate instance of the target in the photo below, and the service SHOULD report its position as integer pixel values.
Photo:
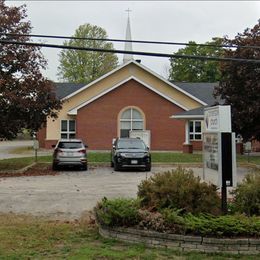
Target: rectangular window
(136, 125)
(68, 129)
(64, 126)
(195, 130)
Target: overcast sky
(176, 21)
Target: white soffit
(75, 109)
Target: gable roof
(85, 86)
(74, 110)
(202, 90)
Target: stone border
(243, 246)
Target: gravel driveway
(67, 195)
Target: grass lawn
(104, 157)
(25, 237)
(15, 163)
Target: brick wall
(98, 121)
(197, 145)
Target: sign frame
(145, 135)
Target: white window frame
(131, 120)
(68, 132)
(193, 133)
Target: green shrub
(117, 212)
(179, 189)
(172, 216)
(247, 195)
(222, 226)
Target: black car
(130, 153)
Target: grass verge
(25, 237)
(104, 157)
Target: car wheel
(55, 167)
(116, 167)
(85, 167)
(148, 168)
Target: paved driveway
(67, 195)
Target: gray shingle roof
(201, 90)
(64, 89)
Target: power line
(176, 56)
(133, 41)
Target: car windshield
(130, 144)
(70, 145)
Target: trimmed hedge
(117, 212)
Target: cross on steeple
(128, 10)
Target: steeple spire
(128, 45)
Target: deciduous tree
(26, 97)
(240, 83)
(85, 66)
(196, 70)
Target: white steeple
(128, 45)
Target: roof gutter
(187, 117)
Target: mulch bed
(36, 170)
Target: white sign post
(219, 152)
(35, 147)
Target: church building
(130, 98)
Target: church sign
(219, 154)
(217, 119)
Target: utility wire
(176, 56)
(133, 41)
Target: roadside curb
(195, 165)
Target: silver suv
(70, 152)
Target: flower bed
(176, 210)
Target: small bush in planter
(179, 189)
(151, 220)
(117, 212)
(247, 195)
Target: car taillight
(82, 151)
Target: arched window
(130, 119)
